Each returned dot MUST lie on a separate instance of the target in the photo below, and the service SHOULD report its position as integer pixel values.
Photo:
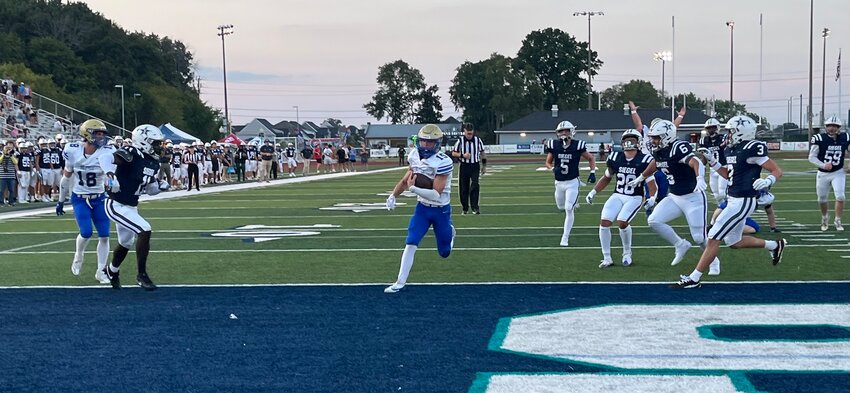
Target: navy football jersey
(176, 159)
(252, 153)
(26, 161)
(831, 151)
(566, 158)
(673, 162)
(61, 157)
(133, 176)
(740, 160)
(624, 170)
(714, 144)
(44, 159)
(289, 152)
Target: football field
(279, 288)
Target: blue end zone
(296, 339)
(776, 332)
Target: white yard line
(423, 284)
(36, 245)
(396, 249)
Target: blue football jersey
(623, 170)
(714, 144)
(831, 151)
(133, 176)
(673, 162)
(566, 158)
(740, 160)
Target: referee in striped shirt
(470, 152)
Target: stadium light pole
(297, 117)
(663, 57)
(122, 105)
(136, 108)
(589, 15)
(825, 35)
(225, 30)
(731, 25)
(811, 51)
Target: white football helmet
(59, 137)
(565, 126)
(628, 144)
(664, 129)
(711, 126)
(148, 139)
(832, 121)
(741, 128)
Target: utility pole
(823, 78)
(811, 53)
(731, 59)
(224, 30)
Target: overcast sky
(323, 55)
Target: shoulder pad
(125, 155)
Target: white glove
(112, 185)
(701, 186)
(391, 202)
(636, 182)
(761, 184)
(589, 197)
(650, 203)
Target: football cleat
(605, 263)
(112, 277)
(76, 266)
(681, 249)
(685, 282)
(564, 242)
(778, 251)
(454, 232)
(775, 230)
(824, 224)
(393, 288)
(627, 260)
(145, 282)
(714, 268)
(838, 226)
(101, 277)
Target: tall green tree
(642, 92)
(403, 96)
(557, 61)
(492, 92)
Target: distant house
(397, 134)
(605, 126)
(451, 120)
(259, 127)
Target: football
(423, 181)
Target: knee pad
(86, 233)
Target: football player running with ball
(626, 200)
(744, 159)
(86, 167)
(429, 177)
(562, 158)
(135, 173)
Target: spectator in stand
(306, 157)
(27, 93)
(58, 128)
(364, 156)
(267, 159)
(240, 158)
(8, 174)
(327, 158)
(401, 151)
(341, 158)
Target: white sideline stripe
(35, 245)
(811, 234)
(817, 239)
(214, 190)
(423, 284)
(336, 229)
(381, 249)
(837, 250)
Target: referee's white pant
(128, 222)
(729, 226)
(834, 180)
(695, 208)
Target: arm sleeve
(66, 154)
(65, 185)
(813, 156)
(425, 193)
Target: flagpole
(838, 76)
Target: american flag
(838, 69)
